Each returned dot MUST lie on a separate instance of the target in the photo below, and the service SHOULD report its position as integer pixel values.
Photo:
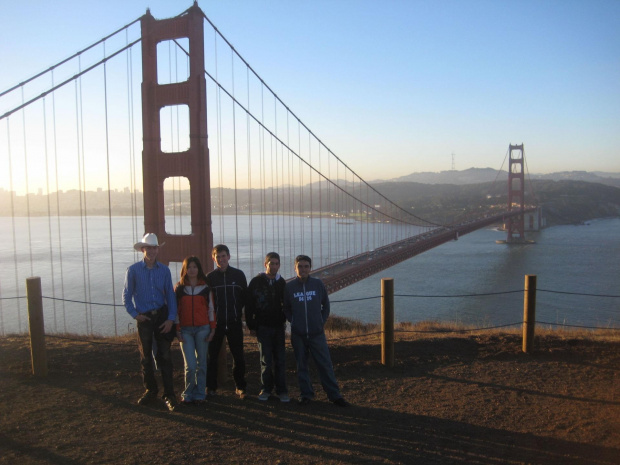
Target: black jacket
(265, 300)
(230, 290)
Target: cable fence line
(460, 295)
(425, 296)
(354, 300)
(344, 301)
(577, 293)
(482, 328)
(84, 302)
(577, 326)
(66, 338)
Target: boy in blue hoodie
(306, 306)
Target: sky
(394, 87)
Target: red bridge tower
(516, 194)
(192, 164)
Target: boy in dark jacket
(229, 288)
(265, 318)
(306, 306)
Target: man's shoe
(303, 401)
(240, 393)
(147, 397)
(171, 403)
(264, 396)
(284, 397)
(341, 402)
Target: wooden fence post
(529, 313)
(37, 327)
(387, 321)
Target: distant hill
(482, 175)
(563, 202)
(468, 176)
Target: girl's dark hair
(186, 263)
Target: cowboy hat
(149, 240)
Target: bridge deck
(346, 272)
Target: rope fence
(425, 296)
(38, 335)
(365, 298)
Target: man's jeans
(147, 332)
(317, 347)
(194, 347)
(234, 335)
(271, 345)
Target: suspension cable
(62, 279)
(232, 63)
(8, 135)
(66, 81)
(75, 55)
(248, 136)
(27, 187)
(49, 210)
(306, 127)
(107, 151)
(335, 184)
(79, 133)
(132, 152)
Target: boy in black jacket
(265, 318)
(229, 288)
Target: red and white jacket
(195, 305)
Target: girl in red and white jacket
(195, 328)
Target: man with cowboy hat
(149, 298)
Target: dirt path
(470, 399)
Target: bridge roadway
(351, 270)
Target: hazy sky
(395, 86)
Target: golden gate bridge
(223, 159)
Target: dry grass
(347, 328)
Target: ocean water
(576, 259)
(582, 259)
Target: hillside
(483, 175)
(473, 398)
(563, 202)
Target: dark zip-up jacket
(306, 306)
(266, 297)
(230, 294)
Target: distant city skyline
(392, 87)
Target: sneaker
(240, 393)
(147, 397)
(284, 397)
(186, 402)
(264, 396)
(341, 402)
(171, 403)
(303, 401)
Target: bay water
(83, 273)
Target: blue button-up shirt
(148, 289)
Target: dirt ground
(464, 399)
